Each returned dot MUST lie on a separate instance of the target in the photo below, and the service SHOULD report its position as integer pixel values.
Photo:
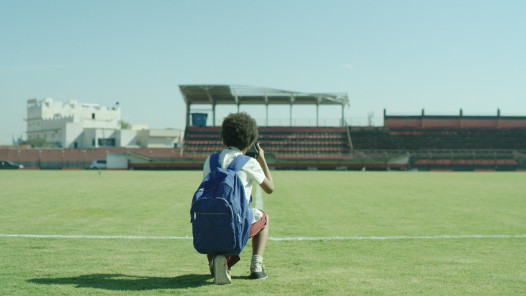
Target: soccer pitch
(333, 233)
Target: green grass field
(322, 204)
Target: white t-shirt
(252, 171)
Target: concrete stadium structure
(204, 94)
(417, 142)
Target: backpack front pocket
(213, 226)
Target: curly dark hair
(239, 130)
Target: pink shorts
(255, 228)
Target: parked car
(6, 164)
(98, 164)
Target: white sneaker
(221, 272)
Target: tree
(124, 124)
(36, 142)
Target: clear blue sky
(399, 55)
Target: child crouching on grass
(239, 132)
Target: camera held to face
(252, 151)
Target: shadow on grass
(127, 282)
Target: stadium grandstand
(286, 146)
(417, 142)
(459, 143)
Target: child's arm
(267, 184)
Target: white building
(75, 125)
(156, 138)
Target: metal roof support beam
(214, 114)
(318, 99)
(211, 99)
(188, 114)
(291, 101)
(187, 108)
(266, 115)
(290, 115)
(236, 99)
(317, 114)
(343, 115)
(266, 109)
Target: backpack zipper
(205, 213)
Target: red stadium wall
(76, 158)
(454, 122)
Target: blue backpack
(220, 214)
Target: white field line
(396, 237)
(299, 238)
(94, 236)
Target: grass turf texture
(308, 204)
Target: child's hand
(268, 184)
(261, 152)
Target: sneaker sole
(258, 278)
(221, 276)
(258, 275)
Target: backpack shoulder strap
(238, 162)
(214, 161)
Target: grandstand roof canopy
(239, 94)
(220, 94)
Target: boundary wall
(42, 158)
(454, 122)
